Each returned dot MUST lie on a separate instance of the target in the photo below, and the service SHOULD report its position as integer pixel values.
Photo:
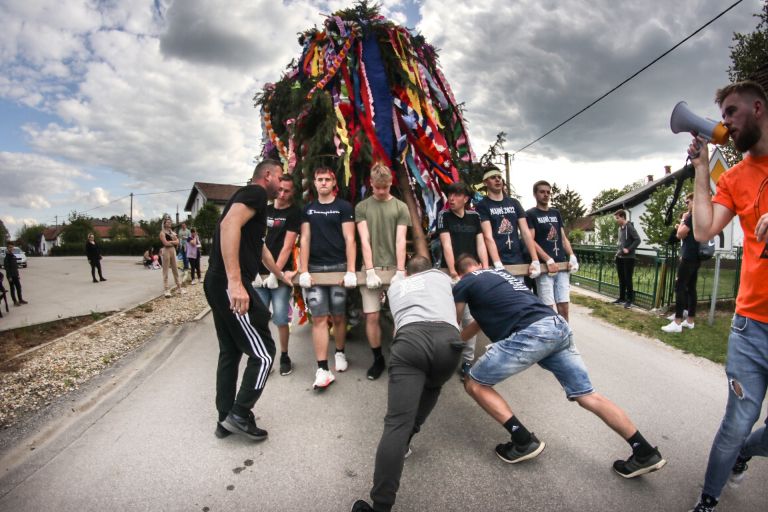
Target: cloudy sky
(99, 99)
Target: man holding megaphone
(742, 191)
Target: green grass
(704, 341)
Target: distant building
(587, 226)
(635, 202)
(215, 193)
(51, 236)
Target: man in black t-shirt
(241, 319)
(553, 247)
(525, 332)
(283, 219)
(327, 245)
(460, 233)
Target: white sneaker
(672, 316)
(193, 282)
(673, 327)
(341, 362)
(323, 379)
(167, 293)
(182, 290)
(689, 325)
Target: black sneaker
(286, 366)
(362, 506)
(618, 301)
(706, 504)
(221, 432)
(636, 466)
(244, 426)
(738, 471)
(376, 369)
(464, 370)
(627, 305)
(512, 454)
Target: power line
(654, 61)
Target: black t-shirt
(690, 249)
(326, 241)
(279, 222)
(548, 227)
(251, 234)
(504, 216)
(463, 231)
(499, 302)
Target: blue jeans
(184, 258)
(280, 298)
(747, 371)
(548, 343)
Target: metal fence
(655, 273)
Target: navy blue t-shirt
(504, 216)
(499, 302)
(690, 249)
(251, 234)
(326, 242)
(548, 227)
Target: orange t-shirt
(737, 190)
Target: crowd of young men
(431, 308)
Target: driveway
(61, 287)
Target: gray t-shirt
(422, 297)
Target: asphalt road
(141, 438)
(61, 287)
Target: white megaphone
(683, 120)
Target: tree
(653, 220)
(569, 203)
(78, 228)
(152, 227)
(577, 236)
(4, 235)
(606, 229)
(749, 54)
(205, 221)
(120, 230)
(604, 197)
(28, 237)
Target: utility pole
(506, 167)
(177, 214)
(130, 216)
(57, 221)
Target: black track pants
(248, 334)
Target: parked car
(21, 258)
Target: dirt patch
(15, 341)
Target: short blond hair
(381, 175)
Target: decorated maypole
(366, 90)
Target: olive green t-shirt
(382, 218)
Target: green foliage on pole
(653, 220)
(205, 221)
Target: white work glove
(305, 280)
(574, 263)
(257, 283)
(498, 265)
(400, 274)
(536, 272)
(271, 281)
(350, 280)
(372, 281)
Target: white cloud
(30, 181)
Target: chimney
(667, 169)
(650, 178)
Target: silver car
(21, 258)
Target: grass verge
(710, 342)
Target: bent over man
(241, 319)
(525, 332)
(425, 352)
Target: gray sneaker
(635, 466)
(512, 454)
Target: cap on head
(491, 172)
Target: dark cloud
(196, 32)
(525, 67)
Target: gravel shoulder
(33, 381)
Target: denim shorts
(554, 289)
(280, 298)
(548, 343)
(325, 300)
